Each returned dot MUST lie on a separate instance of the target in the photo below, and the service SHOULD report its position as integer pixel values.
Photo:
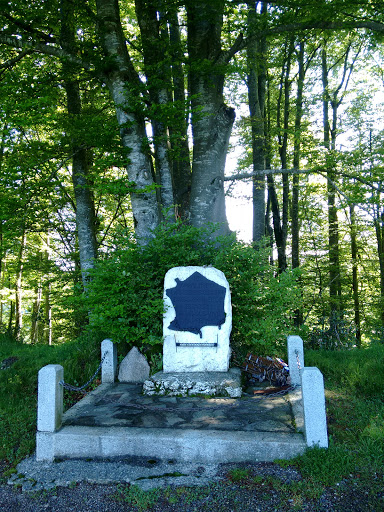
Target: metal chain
(70, 387)
(298, 362)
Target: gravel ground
(257, 493)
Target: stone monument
(197, 325)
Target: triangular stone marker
(134, 367)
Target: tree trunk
(85, 210)
(36, 316)
(296, 161)
(19, 289)
(212, 120)
(355, 280)
(10, 319)
(379, 228)
(295, 227)
(333, 227)
(154, 34)
(283, 146)
(123, 84)
(280, 220)
(256, 81)
(178, 129)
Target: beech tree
(167, 69)
(115, 57)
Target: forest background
(115, 122)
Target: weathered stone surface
(134, 367)
(197, 383)
(295, 348)
(207, 350)
(315, 420)
(109, 361)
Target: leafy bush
(125, 295)
(340, 334)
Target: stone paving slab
(123, 405)
(145, 473)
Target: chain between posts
(280, 392)
(70, 387)
(298, 362)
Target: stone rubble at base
(198, 383)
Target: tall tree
(85, 210)
(256, 82)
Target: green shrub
(125, 296)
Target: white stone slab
(315, 419)
(195, 358)
(50, 398)
(295, 348)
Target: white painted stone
(295, 359)
(134, 367)
(194, 358)
(315, 421)
(109, 362)
(198, 383)
(50, 398)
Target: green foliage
(358, 370)
(18, 383)
(341, 334)
(238, 474)
(125, 295)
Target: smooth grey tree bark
(125, 89)
(85, 210)
(154, 35)
(212, 119)
(256, 82)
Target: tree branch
(226, 56)
(313, 25)
(319, 170)
(8, 64)
(45, 49)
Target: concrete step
(117, 421)
(205, 446)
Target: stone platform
(116, 420)
(195, 383)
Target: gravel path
(266, 488)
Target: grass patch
(359, 371)
(18, 384)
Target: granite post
(49, 409)
(50, 398)
(109, 361)
(315, 421)
(295, 359)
